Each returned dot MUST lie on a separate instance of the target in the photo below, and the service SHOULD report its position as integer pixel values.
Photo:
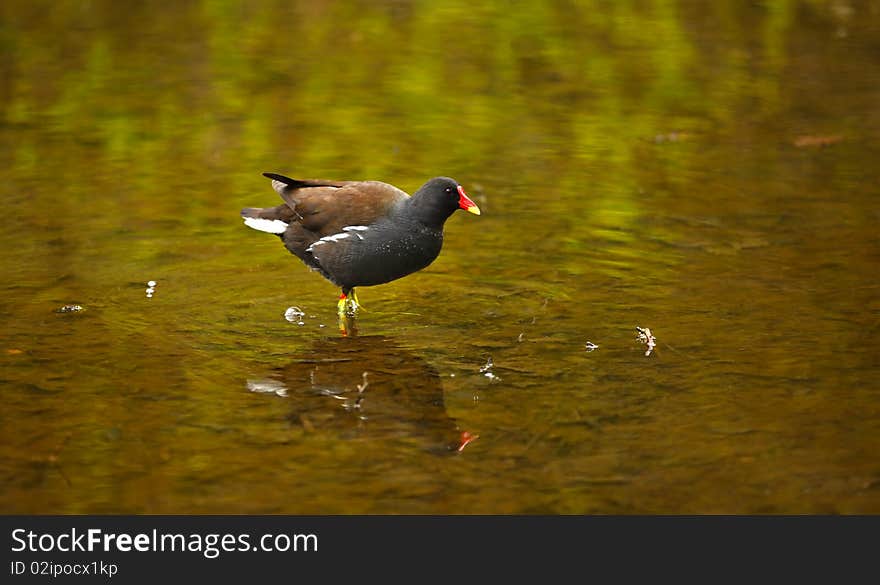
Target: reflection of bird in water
(366, 387)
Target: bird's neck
(427, 212)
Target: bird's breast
(380, 253)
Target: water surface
(706, 170)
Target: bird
(360, 233)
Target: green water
(706, 170)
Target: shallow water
(706, 170)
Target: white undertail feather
(270, 226)
(278, 186)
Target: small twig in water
(487, 370)
(361, 388)
(466, 438)
(646, 337)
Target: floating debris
(466, 438)
(520, 338)
(267, 387)
(295, 315)
(360, 397)
(151, 288)
(590, 346)
(487, 370)
(646, 337)
(70, 309)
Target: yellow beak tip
(475, 210)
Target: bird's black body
(360, 233)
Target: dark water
(706, 170)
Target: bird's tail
(260, 219)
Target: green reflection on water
(636, 165)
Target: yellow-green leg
(347, 309)
(348, 303)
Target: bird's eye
(449, 189)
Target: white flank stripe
(332, 238)
(278, 186)
(270, 226)
(356, 230)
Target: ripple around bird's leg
(347, 323)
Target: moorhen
(360, 233)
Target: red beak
(464, 202)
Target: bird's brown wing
(326, 210)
